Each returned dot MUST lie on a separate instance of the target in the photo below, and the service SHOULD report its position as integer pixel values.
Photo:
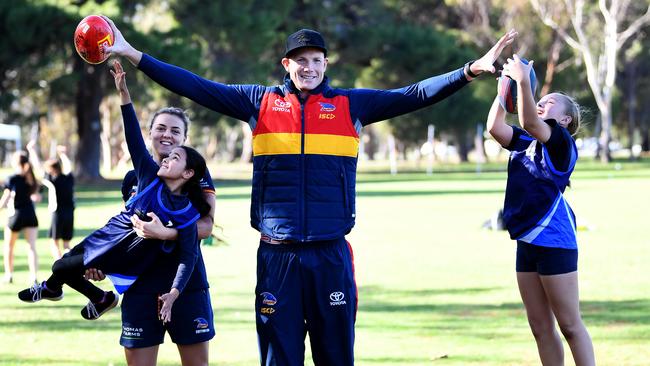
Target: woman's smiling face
(167, 132)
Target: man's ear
(188, 173)
(285, 63)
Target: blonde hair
(573, 110)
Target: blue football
(507, 90)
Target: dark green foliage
(373, 44)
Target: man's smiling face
(306, 68)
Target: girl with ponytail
(20, 193)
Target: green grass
(434, 288)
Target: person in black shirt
(20, 192)
(58, 178)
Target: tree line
(593, 50)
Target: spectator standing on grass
(58, 178)
(19, 195)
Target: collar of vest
(321, 88)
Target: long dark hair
(26, 170)
(192, 187)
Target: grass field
(434, 288)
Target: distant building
(10, 141)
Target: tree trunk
(551, 64)
(630, 89)
(105, 137)
(645, 138)
(479, 144)
(597, 130)
(371, 144)
(605, 133)
(247, 144)
(89, 96)
(463, 145)
(645, 127)
(232, 136)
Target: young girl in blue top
(171, 191)
(542, 157)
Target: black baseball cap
(305, 38)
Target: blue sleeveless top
(535, 210)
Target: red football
(91, 36)
(507, 90)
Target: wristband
(468, 69)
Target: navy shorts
(62, 224)
(306, 288)
(192, 319)
(22, 218)
(545, 260)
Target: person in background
(58, 178)
(20, 193)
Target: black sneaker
(38, 291)
(93, 310)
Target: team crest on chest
(325, 109)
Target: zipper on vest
(303, 172)
(344, 183)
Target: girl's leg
(562, 293)
(10, 242)
(54, 249)
(147, 356)
(32, 258)
(540, 318)
(66, 246)
(70, 270)
(194, 354)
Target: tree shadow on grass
(419, 311)
(388, 193)
(31, 361)
(437, 192)
(62, 325)
(96, 200)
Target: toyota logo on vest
(281, 106)
(337, 298)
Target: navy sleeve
(130, 180)
(189, 251)
(559, 146)
(237, 101)
(145, 167)
(520, 140)
(373, 105)
(206, 183)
